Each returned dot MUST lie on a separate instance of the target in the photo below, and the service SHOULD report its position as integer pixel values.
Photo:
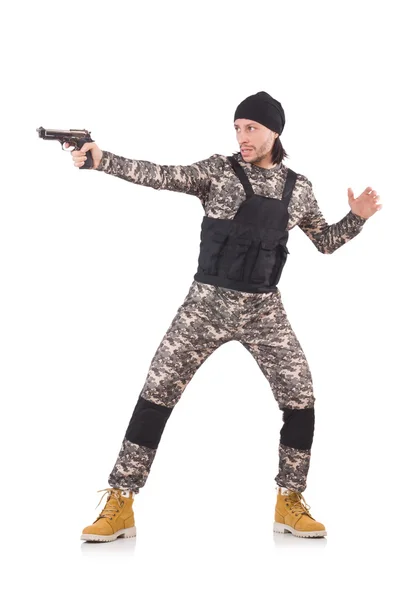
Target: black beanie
(263, 109)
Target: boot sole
(281, 528)
(125, 533)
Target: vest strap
(241, 174)
(289, 186)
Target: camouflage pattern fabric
(209, 317)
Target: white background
(85, 301)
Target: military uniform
(229, 299)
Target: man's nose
(242, 138)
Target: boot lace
(298, 504)
(111, 508)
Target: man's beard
(257, 155)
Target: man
(251, 200)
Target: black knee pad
(298, 429)
(147, 423)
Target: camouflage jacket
(214, 182)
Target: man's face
(255, 140)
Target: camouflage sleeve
(193, 179)
(328, 238)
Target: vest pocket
(237, 260)
(269, 263)
(211, 252)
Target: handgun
(76, 137)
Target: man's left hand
(365, 205)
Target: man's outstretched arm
(192, 179)
(328, 238)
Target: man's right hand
(79, 156)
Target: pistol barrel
(52, 134)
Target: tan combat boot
(116, 519)
(292, 514)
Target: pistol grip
(89, 163)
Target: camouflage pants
(209, 317)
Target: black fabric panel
(147, 423)
(298, 429)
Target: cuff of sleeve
(356, 218)
(105, 161)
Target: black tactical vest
(247, 253)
